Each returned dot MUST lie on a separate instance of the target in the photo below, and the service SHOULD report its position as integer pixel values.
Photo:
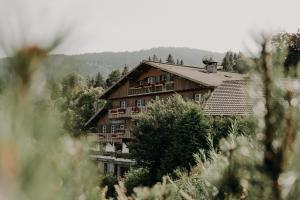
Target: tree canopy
(172, 130)
(113, 77)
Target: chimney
(212, 68)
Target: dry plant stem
(271, 158)
(289, 136)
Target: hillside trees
(170, 59)
(77, 100)
(125, 70)
(230, 61)
(113, 77)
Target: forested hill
(91, 63)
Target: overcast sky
(129, 25)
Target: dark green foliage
(293, 47)
(230, 61)
(109, 181)
(136, 178)
(113, 77)
(221, 126)
(82, 105)
(172, 130)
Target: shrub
(109, 181)
(135, 178)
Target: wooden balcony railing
(151, 88)
(117, 136)
(125, 112)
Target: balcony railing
(125, 112)
(151, 88)
(117, 136)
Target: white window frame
(113, 128)
(198, 97)
(123, 104)
(139, 103)
(104, 129)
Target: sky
(130, 25)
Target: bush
(135, 178)
(109, 181)
(220, 127)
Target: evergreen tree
(228, 61)
(149, 59)
(99, 82)
(154, 58)
(181, 62)
(113, 77)
(125, 70)
(160, 60)
(170, 59)
(177, 62)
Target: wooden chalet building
(153, 80)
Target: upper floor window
(198, 97)
(151, 80)
(139, 102)
(113, 128)
(104, 129)
(123, 104)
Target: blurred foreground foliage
(37, 159)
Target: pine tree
(170, 59)
(99, 82)
(154, 58)
(160, 60)
(113, 77)
(181, 62)
(125, 70)
(149, 59)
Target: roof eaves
(178, 74)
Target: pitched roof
(198, 75)
(230, 98)
(192, 73)
(242, 97)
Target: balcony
(151, 88)
(125, 112)
(118, 136)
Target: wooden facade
(131, 94)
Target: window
(157, 79)
(122, 127)
(151, 80)
(104, 129)
(139, 103)
(113, 128)
(123, 104)
(198, 97)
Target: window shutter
(143, 102)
